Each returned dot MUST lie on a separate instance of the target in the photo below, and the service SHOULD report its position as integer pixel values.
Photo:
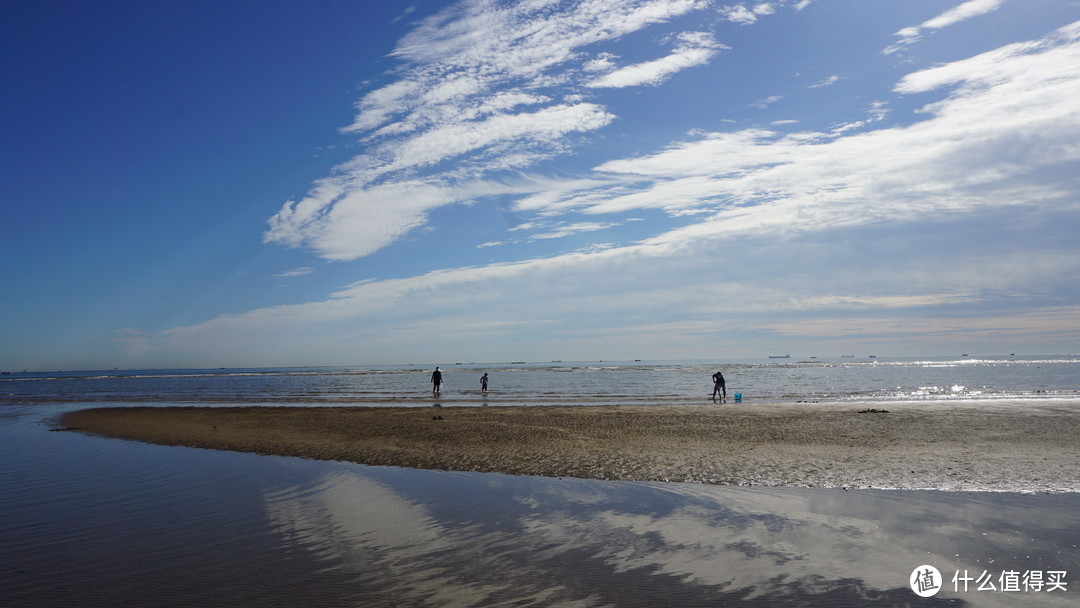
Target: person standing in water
(483, 383)
(436, 380)
(719, 386)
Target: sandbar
(1029, 449)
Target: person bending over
(719, 387)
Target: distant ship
(779, 356)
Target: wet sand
(912, 446)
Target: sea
(92, 521)
(571, 383)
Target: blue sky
(283, 183)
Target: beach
(1002, 446)
(560, 486)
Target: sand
(837, 445)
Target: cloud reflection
(485, 539)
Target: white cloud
(379, 105)
(296, 272)
(876, 113)
(681, 294)
(765, 103)
(1004, 136)
(405, 13)
(1044, 322)
(470, 92)
(826, 82)
(738, 14)
(563, 230)
(764, 8)
(548, 124)
(744, 15)
(695, 48)
(1000, 136)
(504, 46)
(967, 10)
(342, 223)
(604, 62)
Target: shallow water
(90, 521)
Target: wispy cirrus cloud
(296, 272)
(405, 13)
(1001, 136)
(483, 84)
(558, 230)
(694, 49)
(831, 80)
(967, 10)
(951, 157)
(764, 103)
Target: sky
(272, 183)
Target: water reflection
(99, 522)
(473, 539)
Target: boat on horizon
(779, 356)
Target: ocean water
(90, 521)
(570, 383)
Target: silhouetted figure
(483, 383)
(436, 380)
(719, 387)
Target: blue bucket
(738, 397)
